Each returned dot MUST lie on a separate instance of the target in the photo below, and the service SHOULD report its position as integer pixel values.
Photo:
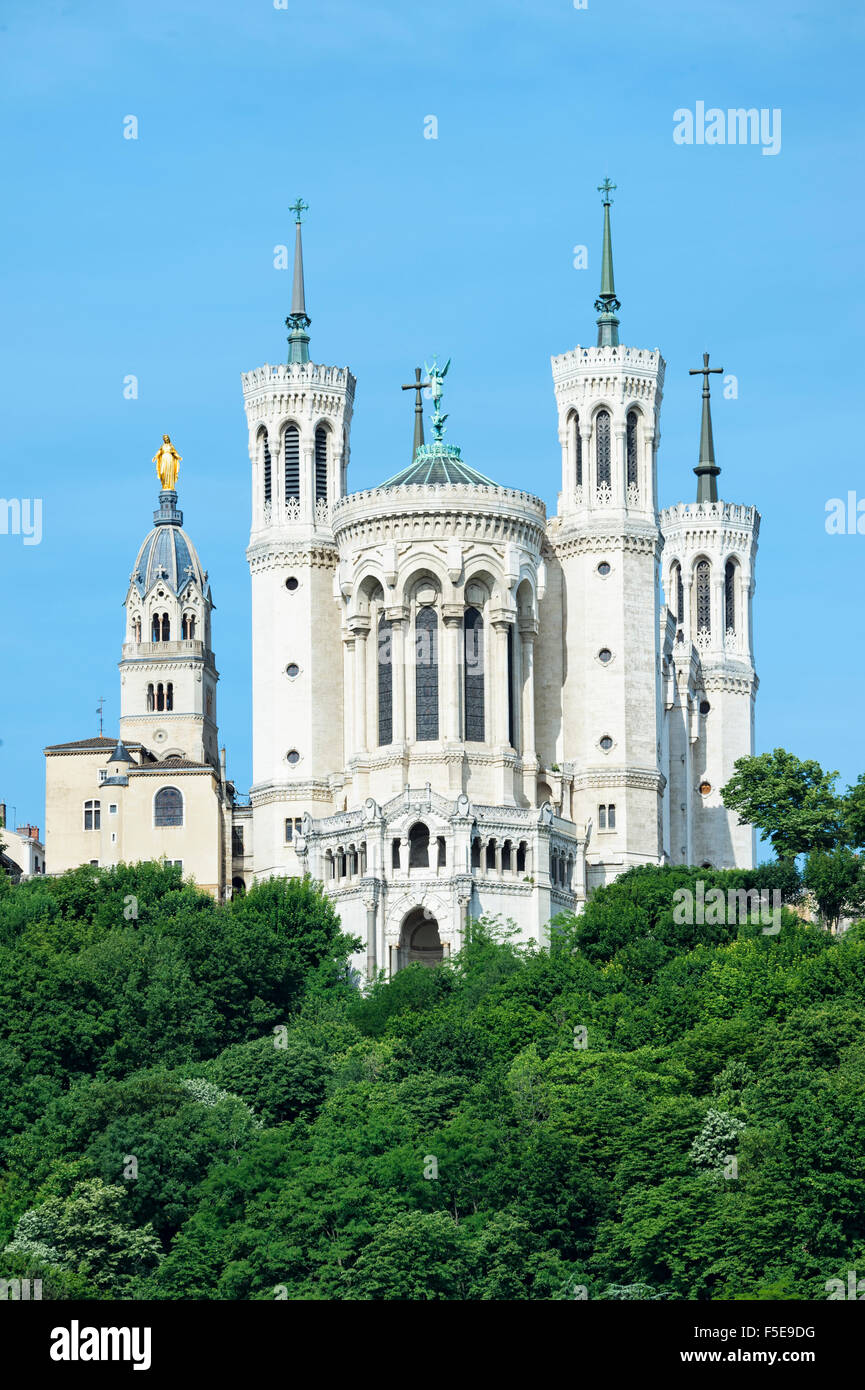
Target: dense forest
(199, 1102)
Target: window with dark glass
(730, 596)
(385, 682)
(265, 457)
(602, 449)
(168, 807)
(473, 625)
(704, 597)
(321, 464)
(92, 815)
(426, 674)
(631, 447)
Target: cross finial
(418, 386)
(606, 188)
(705, 371)
(298, 207)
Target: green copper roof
(606, 303)
(434, 466)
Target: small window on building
(166, 628)
(602, 817)
(103, 773)
(151, 698)
(298, 822)
(292, 670)
(292, 757)
(169, 695)
(94, 863)
(289, 830)
(605, 655)
(611, 817)
(168, 807)
(705, 788)
(112, 809)
(291, 583)
(603, 569)
(705, 706)
(92, 815)
(606, 743)
(237, 841)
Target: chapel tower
(168, 676)
(299, 417)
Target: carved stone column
(359, 628)
(398, 618)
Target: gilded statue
(167, 462)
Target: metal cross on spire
(298, 207)
(99, 709)
(418, 386)
(606, 303)
(707, 470)
(298, 320)
(606, 188)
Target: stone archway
(419, 942)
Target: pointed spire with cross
(418, 386)
(298, 320)
(606, 303)
(706, 470)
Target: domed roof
(437, 464)
(167, 553)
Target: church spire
(706, 470)
(298, 320)
(607, 304)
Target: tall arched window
(169, 695)
(155, 628)
(166, 628)
(188, 626)
(151, 699)
(576, 448)
(704, 597)
(631, 447)
(426, 675)
(321, 464)
(385, 682)
(473, 625)
(676, 594)
(92, 815)
(265, 460)
(730, 596)
(160, 696)
(418, 846)
(603, 464)
(168, 807)
(292, 462)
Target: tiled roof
(174, 764)
(83, 745)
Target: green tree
(837, 881)
(793, 802)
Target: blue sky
(154, 257)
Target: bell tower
(299, 418)
(606, 541)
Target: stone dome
(167, 554)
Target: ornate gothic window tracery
(265, 459)
(704, 597)
(631, 448)
(730, 596)
(603, 455)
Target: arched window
(521, 857)
(136, 628)
(704, 597)
(92, 815)
(385, 682)
(169, 695)
(426, 675)
(473, 625)
(264, 447)
(631, 447)
(168, 807)
(160, 696)
(576, 448)
(166, 628)
(321, 464)
(292, 462)
(187, 627)
(418, 846)
(603, 464)
(730, 596)
(678, 594)
(151, 701)
(155, 628)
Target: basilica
(461, 705)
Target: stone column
(370, 901)
(528, 634)
(349, 705)
(360, 628)
(399, 622)
(451, 690)
(499, 682)
(620, 465)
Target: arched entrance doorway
(420, 943)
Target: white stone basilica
(461, 706)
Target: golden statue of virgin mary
(167, 462)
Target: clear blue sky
(155, 257)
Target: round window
(705, 706)
(605, 655)
(293, 756)
(705, 788)
(606, 743)
(291, 583)
(292, 669)
(603, 569)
